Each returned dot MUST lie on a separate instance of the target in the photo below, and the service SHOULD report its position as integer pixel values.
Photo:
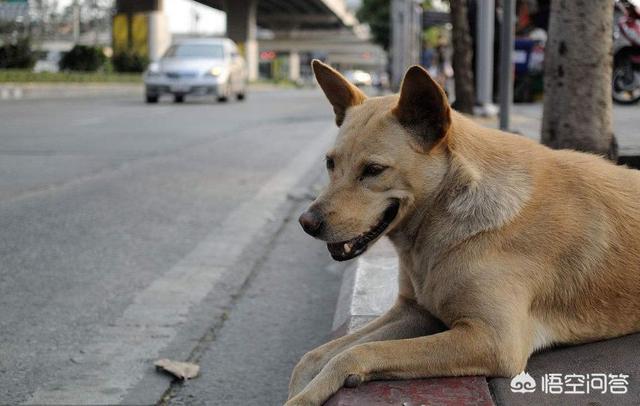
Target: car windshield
(209, 51)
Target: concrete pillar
(294, 66)
(242, 28)
(484, 57)
(151, 37)
(159, 35)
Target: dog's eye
(330, 163)
(373, 170)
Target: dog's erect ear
(423, 108)
(339, 91)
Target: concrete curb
(31, 91)
(368, 289)
(17, 91)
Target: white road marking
(127, 348)
(7, 93)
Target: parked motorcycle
(626, 58)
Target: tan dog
(511, 245)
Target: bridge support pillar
(140, 26)
(242, 28)
(294, 65)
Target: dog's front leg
(405, 319)
(469, 348)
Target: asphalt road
(130, 233)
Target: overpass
(294, 23)
(290, 14)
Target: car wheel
(151, 98)
(223, 97)
(241, 96)
(625, 85)
(179, 98)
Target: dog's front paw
(342, 370)
(308, 367)
(298, 401)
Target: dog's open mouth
(345, 250)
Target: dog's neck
(472, 198)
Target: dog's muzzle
(345, 250)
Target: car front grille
(181, 75)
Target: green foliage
(129, 61)
(377, 13)
(431, 36)
(17, 55)
(83, 58)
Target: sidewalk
(526, 119)
(370, 286)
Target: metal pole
(76, 22)
(506, 62)
(397, 42)
(484, 56)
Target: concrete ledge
(368, 289)
(17, 91)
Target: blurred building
(278, 37)
(14, 10)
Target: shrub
(83, 59)
(129, 62)
(17, 56)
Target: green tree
(377, 13)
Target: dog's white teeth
(347, 247)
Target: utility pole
(76, 22)
(484, 56)
(506, 62)
(406, 37)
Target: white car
(359, 77)
(199, 67)
(49, 61)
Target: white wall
(180, 14)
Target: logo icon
(523, 383)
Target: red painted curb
(464, 391)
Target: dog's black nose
(311, 222)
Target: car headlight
(215, 71)
(154, 70)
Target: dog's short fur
(506, 244)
